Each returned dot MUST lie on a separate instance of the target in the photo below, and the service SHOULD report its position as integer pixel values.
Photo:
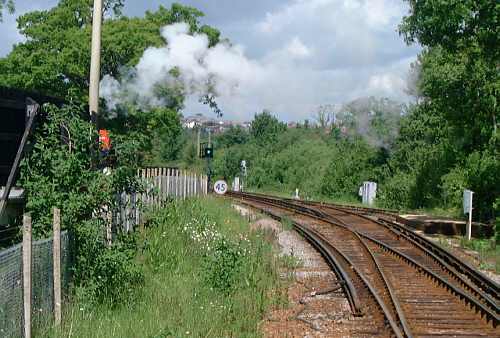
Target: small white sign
(236, 184)
(467, 201)
(220, 187)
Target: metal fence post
(56, 255)
(27, 274)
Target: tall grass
(188, 293)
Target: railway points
(407, 285)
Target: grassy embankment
(206, 274)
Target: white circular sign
(220, 187)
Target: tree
(9, 4)
(325, 115)
(460, 65)
(453, 141)
(232, 136)
(265, 127)
(55, 58)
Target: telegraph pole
(95, 62)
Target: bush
(396, 191)
(452, 187)
(222, 265)
(61, 171)
(105, 274)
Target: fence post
(109, 226)
(168, 183)
(27, 274)
(177, 175)
(56, 255)
(184, 188)
(148, 190)
(143, 196)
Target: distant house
(216, 126)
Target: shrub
(222, 265)
(396, 191)
(61, 172)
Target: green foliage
(57, 173)
(104, 274)
(60, 172)
(450, 141)
(265, 127)
(55, 56)
(174, 263)
(9, 4)
(232, 136)
(281, 159)
(349, 168)
(453, 24)
(222, 267)
(396, 191)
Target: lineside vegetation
(205, 275)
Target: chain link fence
(11, 284)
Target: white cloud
(290, 55)
(297, 49)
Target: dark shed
(13, 119)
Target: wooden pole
(27, 274)
(95, 61)
(56, 255)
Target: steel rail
(447, 268)
(481, 281)
(310, 233)
(320, 245)
(392, 322)
(489, 313)
(490, 316)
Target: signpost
(468, 211)
(220, 187)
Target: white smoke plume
(283, 80)
(221, 70)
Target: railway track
(404, 284)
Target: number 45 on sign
(220, 187)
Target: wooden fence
(161, 185)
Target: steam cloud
(222, 70)
(284, 80)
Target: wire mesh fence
(11, 284)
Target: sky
(305, 53)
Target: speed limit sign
(220, 187)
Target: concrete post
(27, 274)
(56, 255)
